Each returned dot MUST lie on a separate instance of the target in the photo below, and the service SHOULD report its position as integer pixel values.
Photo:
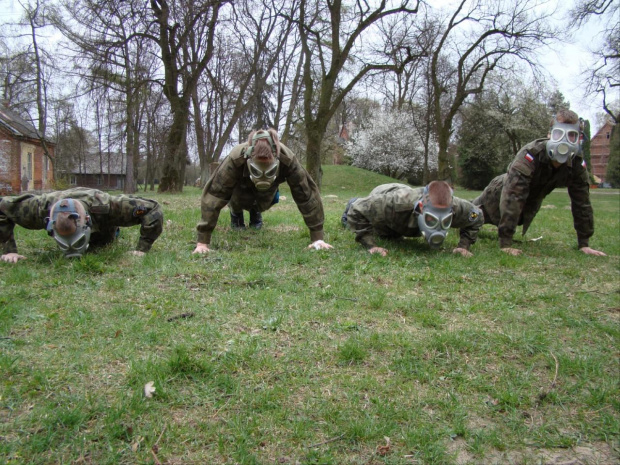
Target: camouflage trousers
(345, 214)
(489, 200)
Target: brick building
(599, 151)
(100, 171)
(23, 163)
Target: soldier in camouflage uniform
(395, 210)
(248, 179)
(514, 198)
(95, 213)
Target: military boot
(256, 219)
(236, 220)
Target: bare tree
(28, 73)
(333, 39)
(113, 54)
(603, 74)
(18, 89)
(411, 88)
(35, 16)
(237, 92)
(186, 40)
(480, 36)
(287, 82)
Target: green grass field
(264, 352)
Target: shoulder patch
(139, 211)
(584, 164)
(473, 215)
(529, 157)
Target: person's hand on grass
(463, 252)
(12, 258)
(380, 250)
(589, 251)
(201, 248)
(320, 245)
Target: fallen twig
(557, 366)
(597, 292)
(182, 315)
(326, 442)
(155, 447)
(544, 394)
(157, 462)
(159, 438)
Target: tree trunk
(444, 171)
(175, 155)
(200, 138)
(128, 188)
(313, 154)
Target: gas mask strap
(262, 134)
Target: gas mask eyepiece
(69, 225)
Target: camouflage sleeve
(7, 239)
(469, 219)
(217, 193)
(151, 226)
(22, 210)
(514, 194)
(359, 220)
(579, 192)
(306, 194)
(126, 210)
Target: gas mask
(263, 174)
(563, 143)
(434, 222)
(69, 225)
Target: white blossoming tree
(389, 144)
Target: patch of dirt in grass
(475, 422)
(599, 453)
(285, 228)
(458, 448)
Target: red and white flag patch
(584, 164)
(529, 158)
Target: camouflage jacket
(515, 198)
(389, 212)
(231, 183)
(107, 212)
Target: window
(73, 180)
(30, 165)
(99, 180)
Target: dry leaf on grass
(149, 389)
(136, 445)
(385, 449)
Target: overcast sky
(564, 63)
